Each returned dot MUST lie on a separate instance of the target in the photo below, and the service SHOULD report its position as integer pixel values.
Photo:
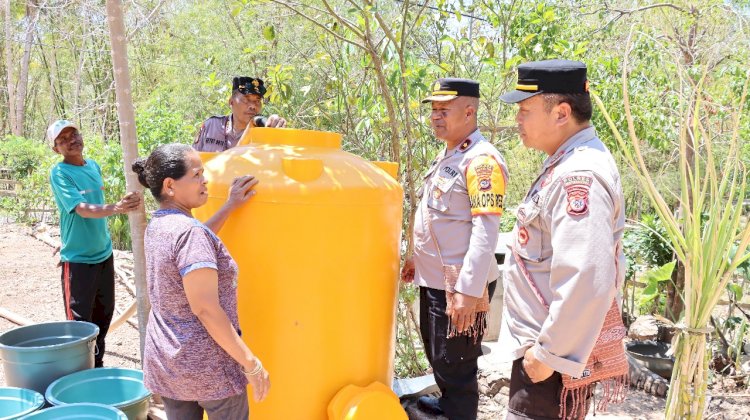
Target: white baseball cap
(55, 128)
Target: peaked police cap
(248, 85)
(450, 88)
(549, 76)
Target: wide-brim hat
(549, 76)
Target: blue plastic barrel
(35, 355)
(78, 412)
(118, 387)
(17, 402)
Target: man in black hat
(567, 263)
(456, 228)
(222, 132)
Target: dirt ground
(31, 288)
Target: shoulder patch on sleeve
(577, 190)
(485, 183)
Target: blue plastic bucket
(17, 402)
(78, 412)
(35, 355)
(117, 387)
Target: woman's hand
(241, 190)
(257, 375)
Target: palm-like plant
(703, 233)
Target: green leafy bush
(22, 156)
(29, 163)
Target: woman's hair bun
(139, 167)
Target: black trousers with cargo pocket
(89, 295)
(453, 360)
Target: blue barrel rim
(88, 338)
(109, 408)
(54, 401)
(34, 405)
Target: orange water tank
(318, 251)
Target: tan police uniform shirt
(217, 135)
(462, 198)
(568, 236)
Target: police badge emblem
(484, 176)
(577, 189)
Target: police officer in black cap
(222, 132)
(561, 324)
(456, 228)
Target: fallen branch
(121, 318)
(44, 237)
(14, 317)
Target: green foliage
(21, 156)
(647, 252)
(30, 163)
(410, 356)
(157, 123)
(649, 242)
(507, 221)
(652, 297)
(736, 349)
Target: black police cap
(449, 88)
(549, 76)
(248, 85)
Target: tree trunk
(126, 115)
(10, 78)
(23, 79)
(674, 305)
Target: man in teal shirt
(88, 277)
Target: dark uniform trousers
(537, 401)
(89, 295)
(453, 360)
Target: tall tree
(9, 78)
(32, 12)
(126, 116)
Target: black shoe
(430, 405)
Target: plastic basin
(118, 387)
(84, 411)
(17, 402)
(35, 355)
(653, 354)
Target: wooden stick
(121, 318)
(730, 395)
(14, 317)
